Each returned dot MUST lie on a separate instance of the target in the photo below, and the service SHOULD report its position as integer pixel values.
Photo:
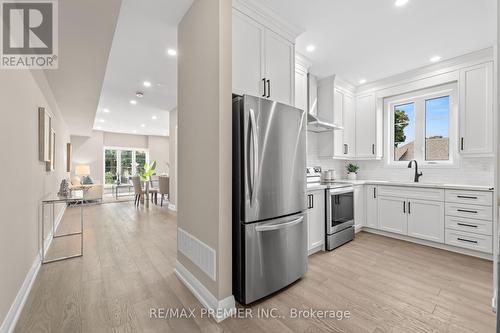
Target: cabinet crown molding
(268, 18)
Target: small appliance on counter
(339, 215)
(269, 206)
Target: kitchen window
(422, 126)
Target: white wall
(89, 150)
(204, 134)
(173, 157)
(159, 151)
(25, 180)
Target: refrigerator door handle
(278, 226)
(255, 166)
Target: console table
(52, 200)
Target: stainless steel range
(339, 213)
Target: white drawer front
(433, 194)
(469, 225)
(469, 211)
(469, 241)
(469, 197)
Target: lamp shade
(82, 170)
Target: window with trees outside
(422, 125)
(120, 164)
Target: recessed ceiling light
(362, 81)
(139, 94)
(310, 48)
(435, 58)
(154, 117)
(143, 125)
(133, 102)
(105, 110)
(147, 84)
(171, 52)
(400, 3)
(100, 120)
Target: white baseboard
(172, 207)
(221, 309)
(10, 320)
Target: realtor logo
(29, 34)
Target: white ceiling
(145, 30)
(83, 53)
(370, 39)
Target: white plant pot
(352, 176)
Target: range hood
(316, 125)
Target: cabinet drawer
(434, 194)
(469, 225)
(469, 197)
(469, 241)
(469, 211)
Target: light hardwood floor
(387, 285)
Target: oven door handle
(343, 190)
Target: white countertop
(406, 184)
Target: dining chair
(164, 187)
(136, 181)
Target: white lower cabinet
(426, 220)
(359, 207)
(392, 215)
(371, 204)
(455, 217)
(315, 220)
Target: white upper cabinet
(349, 118)
(248, 55)
(476, 109)
(366, 126)
(338, 108)
(263, 61)
(280, 63)
(301, 93)
(312, 94)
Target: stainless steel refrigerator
(269, 181)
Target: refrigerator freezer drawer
(275, 255)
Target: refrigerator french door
(269, 221)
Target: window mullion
(420, 130)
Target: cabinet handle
(374, 193)
(466, 197)
(467, 211)
(312, 200)
(467, 225)
(268, 88)
(467, 240)
(264, 86)
(345, 149)
(404, 207)
(461, 143)
(373, 149)
(409, 207)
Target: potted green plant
(352, 171)
(146, 172)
